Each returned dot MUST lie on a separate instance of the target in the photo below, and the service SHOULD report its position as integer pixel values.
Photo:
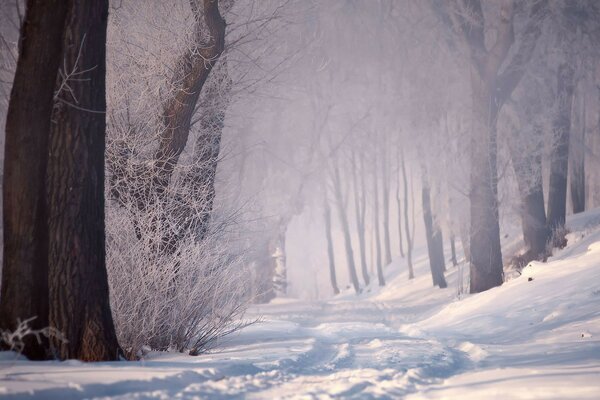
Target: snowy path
(337, 349)
(536, 337)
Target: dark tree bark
(330, 252)
(79, 298)
(557, 194)
(409, 240)
(360, 210)
(435, 246)
(25, 264)
(337, 188)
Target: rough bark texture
(435, 247)
(25, 268)
(557, 194)
(79, 298)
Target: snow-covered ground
(537, 336)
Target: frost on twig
(15, 340)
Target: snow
(535, 337)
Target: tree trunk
(486, 256)
(399, 207)
(557, 194)
(577, 158)
(330, 253)
(279, 262)
(386, 207)
(489, 91)
(360, 208)
(190, 75)
(346, 229)
(435, 247)
(79, 298)
(453, 250)
(409, 240)
(25, 264)
(528, 171)
(178, 108)
(380, 277)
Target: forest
(300, 199)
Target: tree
(341, 201)
(25, 264)
(409, 236)
(378, 261)
(557, 193)
(149, 181)
(524, 120)
(360, 207)
(435, 246)
(328, 236)
(491, 86)
(79, 299)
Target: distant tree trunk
(386, 206)
(360, 208)
(463, 231)
(278, 255)
(435, 247)
(453, 249)
(577, 158)
(528, 171)
(79, 299)
(337, 184)
(557, 194)
(399, 207)
(330, 252)
(25, 264)
(409, 240)
(380, 277)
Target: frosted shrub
(186, 300)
